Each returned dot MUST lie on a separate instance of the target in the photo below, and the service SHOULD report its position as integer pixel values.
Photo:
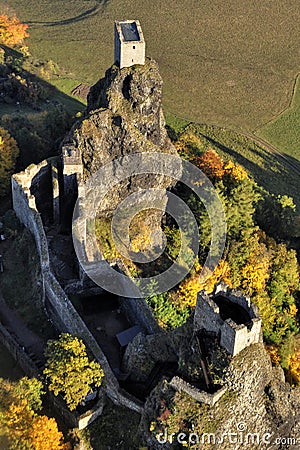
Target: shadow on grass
(34, 111)
(85, 15)
(279, 174)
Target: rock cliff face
(259, 411)
(124, 116)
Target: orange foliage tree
(24, 429)
(294, 367)
(12, 31)
(44, 435)
(211, 164)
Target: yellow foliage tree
(294, 369)
(273, 353)
(189, 288)
(141, 240)
(20, 425)
(188, 142)
(221, 273)
(44, 435)
(255, 273)
(16, 421)
(12, 31)
(69, 370)
(237, 172)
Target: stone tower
(129, 43)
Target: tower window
(134, 47)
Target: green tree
(31, 390)
(69, 370)
(9, 153)
(277, 216)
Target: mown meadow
(226, 63)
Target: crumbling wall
(180, 385)
(61, 310)
(17, 352)
(233, 337)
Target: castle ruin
(231, 316)
(226, 314)
(129, 43)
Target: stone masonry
(129, 43)
(233, 337)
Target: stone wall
(17, 352)
(238, 297)
(201, 396)
(138, 312)
(72, 418)
(60, 308)
(233, 337)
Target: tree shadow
(279, 171)
(35, 112)
(100, 4)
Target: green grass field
(284, 131)
(225, 62)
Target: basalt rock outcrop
(123, 117)
(259, 411)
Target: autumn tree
(190, 286)
(31, 390)
(12, 31)
(69, 370)
(24, 430)
(15, 422)
(211, 164)
(44, 435)
(255, 272)
(189, 145)
(20, 425)
(9, 152)
(235, 172)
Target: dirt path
(293, 165)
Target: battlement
(231, 316)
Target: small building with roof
(129, 43)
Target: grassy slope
(225, 62)
(284, 131)
(267, 170)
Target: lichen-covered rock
(124, 116)
(259, 411)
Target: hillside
(226, 63)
